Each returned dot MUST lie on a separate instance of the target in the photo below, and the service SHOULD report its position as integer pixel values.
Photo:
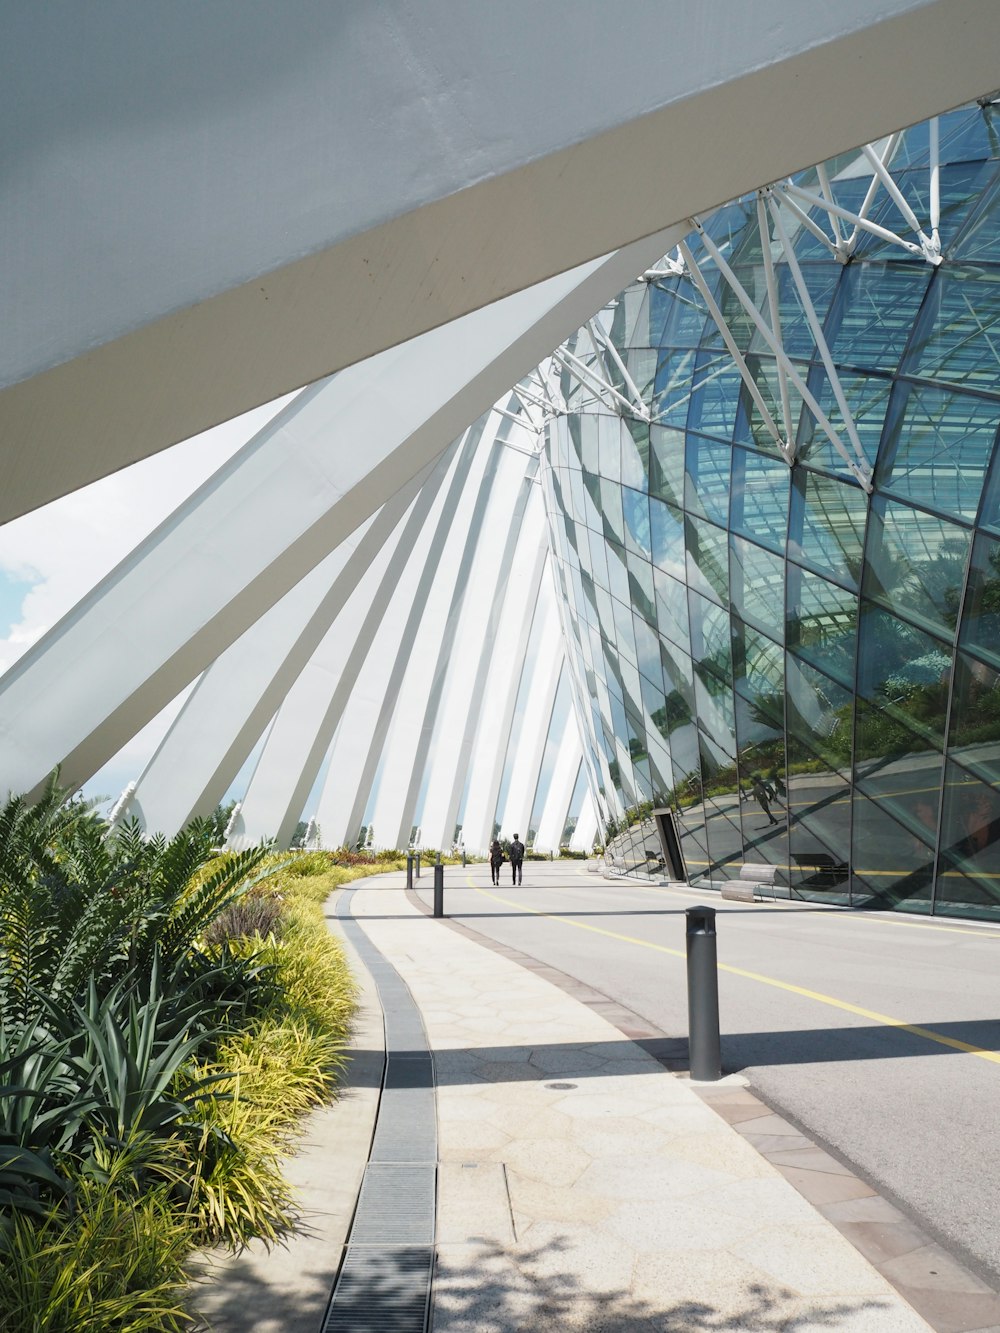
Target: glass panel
(725, 842)
(759, 670)
(647, 649)
(611, 507)
(609, 451)
(757, 586)
(822, 280)
(677, 313)
(819, 713)
(640, 582)
(715, 392)
(667, 532)
(760, 498)
(827, 528)
(892, 867)
(672, 610)
(980, 631)
(979, 240)
(666, 464)
(974, 735)
(956, 338)
(710, 639)
(904, 672)
(822, 623)
(916, 564)
(708, 560)
(617, 571)
(634, 453)
(907, 784)
(970, 844)
(867, 397)
(708, 482)
(672, 387)
(874, 312)
(818, 844)
(937, 447)
(635, 506)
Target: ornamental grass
(167, 1016)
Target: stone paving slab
(633, 1204)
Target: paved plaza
(581, 1184)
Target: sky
(53, 556)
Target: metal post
(463, 854)
(438, 862)
(704, 1054)
(439, 889)
(416, 866)
(409, 872)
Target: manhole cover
(560, 1087)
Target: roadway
(878, 1034)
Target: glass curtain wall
(806, 675)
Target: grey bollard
(416, 866)
(438, 862)
(409, 872)
(463, 857)
(704, 1053)
(439, 890)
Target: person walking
(516, 858)
(496, 860)
(764, 793)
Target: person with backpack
(516, 858)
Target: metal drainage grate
(382, 1291)
(384, 1283)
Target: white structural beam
(208, 205)
(304, 724)
(357, 745)
(586, 826)
(527, 744)
(245, 538)
(452, 702)
(489, 743)
(564, 778)
(356, 769)
(233, 700)
(415, 704)
(470, 695)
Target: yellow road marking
(843, 917)
(927, 1033)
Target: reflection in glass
(759, 505)
(827, 526)
(708, 483)
(905, 672)
(969, 878)
(916, 564)
(937, 447)
(892, 866)
(955, 340)
(822, 623)
(707, 559)
(974, 734)
(981, 621)
(757, 581)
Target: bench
(752, 883)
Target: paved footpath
(581, 1186)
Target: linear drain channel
(382, 1291)
(384, 1283)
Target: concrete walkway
(581, 1186)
